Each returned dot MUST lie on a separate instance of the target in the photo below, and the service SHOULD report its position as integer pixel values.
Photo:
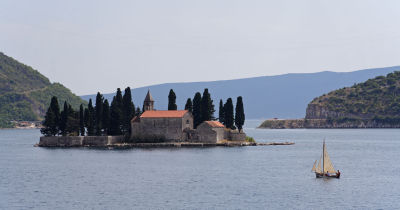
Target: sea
(255, 177)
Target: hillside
(281, 96)
(377, 98)
(371, 104)
(25, 93)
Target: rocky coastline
(325, 123)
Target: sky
(100, 45)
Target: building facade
(176, 125)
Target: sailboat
(327, 170)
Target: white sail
(319, 169)
(328, 166)
(314, 166)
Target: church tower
(148, 104)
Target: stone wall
(78, 141)
(167, 128)
(236, 136)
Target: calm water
(271, 177)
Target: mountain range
(281, 96)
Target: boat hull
(318, 175)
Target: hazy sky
(100, 45)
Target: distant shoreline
(325, 124)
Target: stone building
(168, 125)
(177, 125)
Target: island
(371, 104)
(121, 127)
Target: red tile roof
(215, 124)
(164, 114)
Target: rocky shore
(325, 123)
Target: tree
(128, 110)
(106, 117)
(64, 119)
(81, 121)
(90, 119)
(116, 112)
(98, 114)
(207, 107)
(189, 105)
(239, 114)
(72, 125)
(196, 110)
(52, 118)
(221, 112)
(86, 117)
(138, 112)
(229, 117)
(172, 100)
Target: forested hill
(377, 98)
(25, 93)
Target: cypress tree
(239, 114)
(52, 118)
(138, 112)
(72, 125)
(90, 119)
(128, 110)
(172, 100)
(64, 119)
(86, 117)
(106, 117)
(189, 105)
(81, 121)
(196, 110)
(116, 112)
(98, 114)
(228, 108)
(221, 112)
(207, 106)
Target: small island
(121, 125)
(371, 104)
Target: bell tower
(148, 104)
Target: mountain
(25, 93)
(282, 96)
(376, 98)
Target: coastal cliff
(371, 104)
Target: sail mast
(323, 158)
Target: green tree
(72, 125)
(128, 110)
(239, 114)
(196, 110)
(229, 117)
(52, 118)
(86, 117)
(138, 112)
(90, 119)
(221, 112)
(172, 100)
(99, 114)
(189, 105)
(207, 106)
(81, 121)
(106, 117)
(116, 112)
(64, 119)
